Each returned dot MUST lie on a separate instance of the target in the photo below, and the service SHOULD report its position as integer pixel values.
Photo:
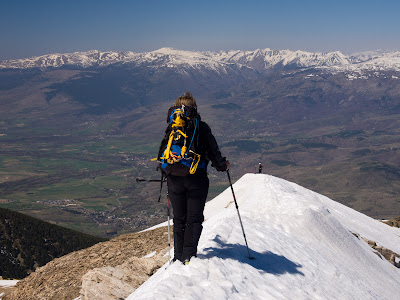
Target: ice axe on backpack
(149, 180)
(240, 219)
(162, 180)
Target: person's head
(186, 99)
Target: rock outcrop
(382, 252)
(394, 223)
(388, 254)
(120, 261)
(119, 282)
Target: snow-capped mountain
(260, 60)
(373, 62)
(267, 58)
(79, 59)
(305, 245)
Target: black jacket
(205, 145)
(208, 148)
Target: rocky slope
(395, 222)
(113, 262)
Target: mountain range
(92, 121)
(219, 61)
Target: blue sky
(30, 28)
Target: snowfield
(302, 243)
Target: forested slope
(27, 243)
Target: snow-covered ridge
(266, 58)
(164, 57)
(260, 59)
(302, 243)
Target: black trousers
(188, 196)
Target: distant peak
(170, 50)
(167, 50)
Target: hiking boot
(175, 259)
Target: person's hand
(228, 165)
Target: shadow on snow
(266, 262)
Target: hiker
(260, 166)
(188, 185)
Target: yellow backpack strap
(167, 152)
(178, 122)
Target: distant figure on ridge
(260, 166)
(184, 154)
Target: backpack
(177, 153)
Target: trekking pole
(168, 210)
(169, 230)
(240, 219)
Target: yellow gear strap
(181, 132)
(195, 163)
(168, 149)
(178, 121)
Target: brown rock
(62, 278)
(383, 252)
(119, 282)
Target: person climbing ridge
(184, 154)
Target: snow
(5, 284)
(8, 283)
(302, 243)
(151, 254)
(218, 61)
